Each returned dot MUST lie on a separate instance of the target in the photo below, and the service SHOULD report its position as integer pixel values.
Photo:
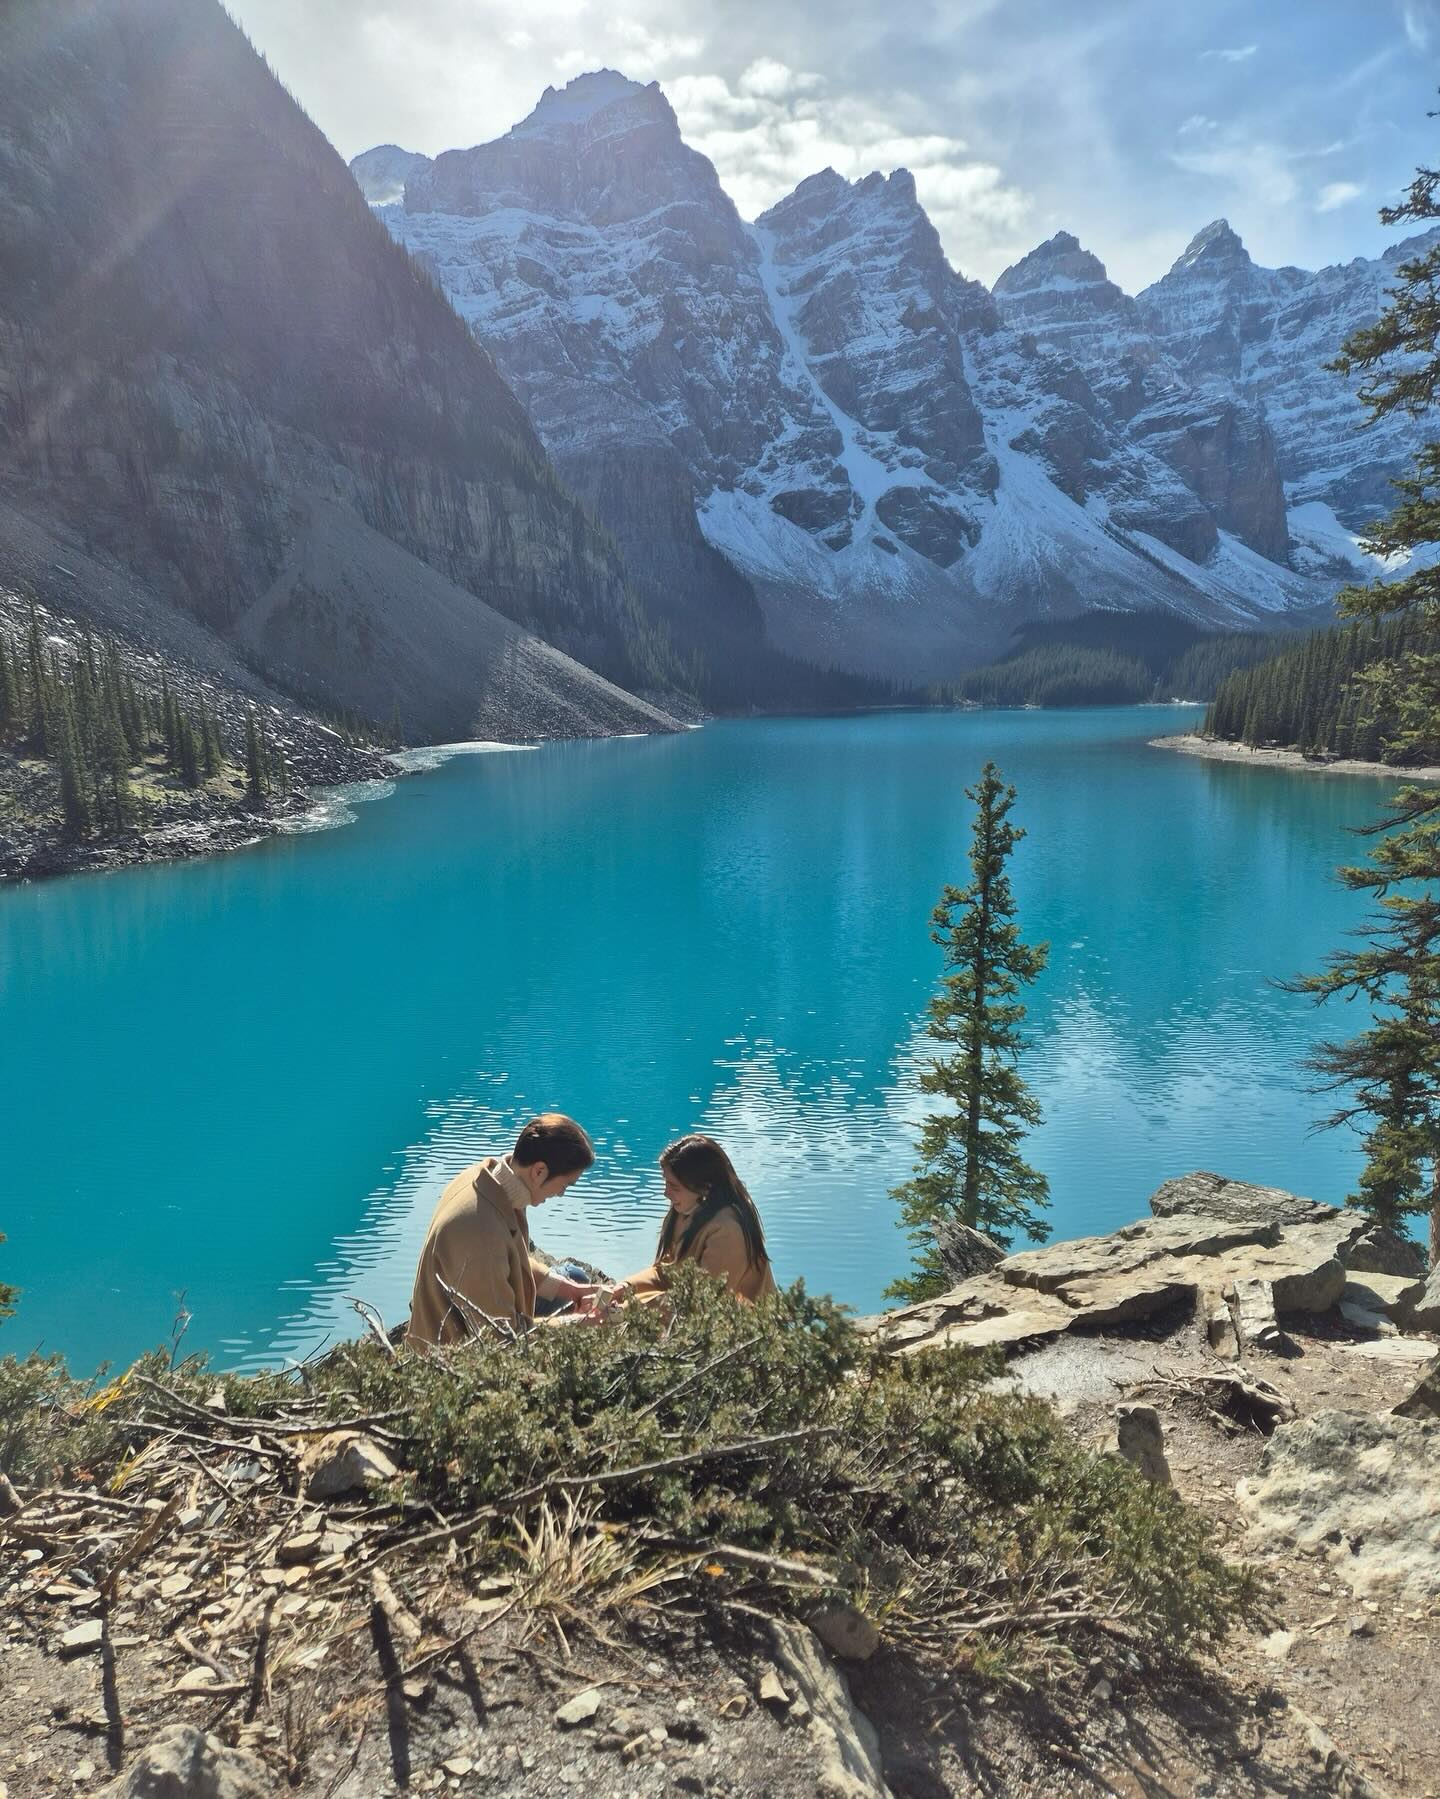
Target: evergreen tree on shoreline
(970, 1168)
(1390, 1072)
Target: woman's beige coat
(719, 1249)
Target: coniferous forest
(106, 754)
(1114, 659)
(1312, 697)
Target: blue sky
(1130, 122)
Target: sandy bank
(1191, 744)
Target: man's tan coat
(479, 1247)
(719, 1249)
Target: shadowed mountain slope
(208, 344)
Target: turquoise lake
(246, 1079)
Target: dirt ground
(1342, 1697)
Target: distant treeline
(83, 712)
(1114, 659)
(1308, 698)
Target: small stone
(196, 1680)
(1360, 1626)
(846, 1630)
(272, 1577)
(345, 1462)
(303, 1548)
(174, 1585)
(735, 1706)
(1102, 1691)
(636, 1747)
(771, 1689)
(579, 1710)
(1140, 1439)
(658, 1734)
(1277, 1644)
(458, 1765)
(80, 1639)
(84, 1770)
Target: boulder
(1140, 1439)
(1359, 1490)
(1256, 1326)
(1213, 1196)
(847, 1747)
(1379, 1250)
(345, 1462)
(1393, 1296)
(184, 1762)
(1424, 1401)
(965, 1252)
(1425, 1308)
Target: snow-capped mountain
(1232, 326)
(818, 410)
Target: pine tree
(210, 753)
(970, 1169)
(189, 751)
(9, 689)
(1391, 1071)
(112, 762)
(255, 777)
(76, 781)
(40, 695)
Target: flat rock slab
(1134, 1273)
(1361, 1491)
(847, 1748)
(1214, 1196)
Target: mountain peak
(1061, 261)
(581, 99)
(1218, 246)
(383, 172)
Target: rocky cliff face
(216, 367)
(1236, 330)
(900, 464)
(1219, 445)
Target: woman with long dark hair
(712, 1221)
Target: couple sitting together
(477, 1270)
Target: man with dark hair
(476, 1268)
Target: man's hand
(559, 1286)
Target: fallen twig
(262, 1645)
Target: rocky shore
(1272, 1360)
(1218, 749)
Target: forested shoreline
(1315, 697)
(1112, 659)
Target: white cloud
(1337, 193)
(1259, 171)
(775, 125)
(1196, 125)
(1243, 54)
(771, 80)
(1418, 19)
(634, 49)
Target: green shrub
(955, 1514)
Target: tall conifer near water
(970, 1168)
(9, 689)
(1390, 1072)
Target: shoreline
(1220, 750)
